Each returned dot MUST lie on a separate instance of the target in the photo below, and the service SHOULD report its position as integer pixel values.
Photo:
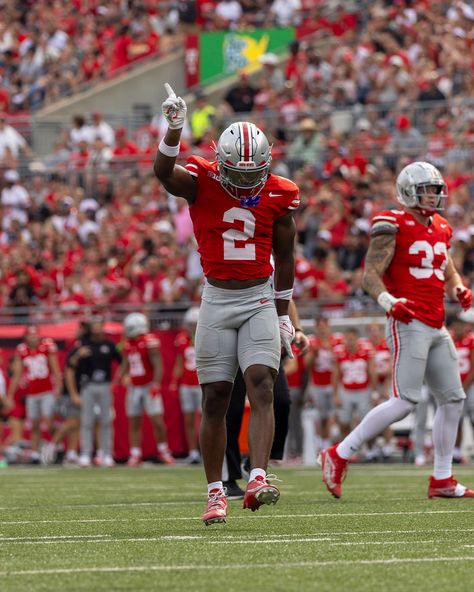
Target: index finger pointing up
(170, 91)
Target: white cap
(163, 226)
(325, 235)
(88, 204)
(269, 58)
(396, 61)
(12, 176)
(462, 235)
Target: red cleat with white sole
(260, 492)
(448, 488)
(165, 457)
(216, 510)
(334, 469)
(134, 461)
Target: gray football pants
(422, 353)
(96, 395)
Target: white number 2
(231, 251)
(426, 270)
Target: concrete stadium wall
(131, 95)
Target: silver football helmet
(135, 324)
(243, 157)
(413, 182)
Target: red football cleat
(259, 492)
(334, 469)
(134, 461)
(216, 511)
(166, 457)
(448, 488)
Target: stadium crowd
(89, 224)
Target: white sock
(135, 452)
(214, 485)
(457, 452)
(445, 429)
(257, 473)
(71, 455)
(194, 453)
(163, 447)
(374, 422)
(34, 455)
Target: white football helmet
(411, 182)
(243, 157)
(191, 317)
(135, 324)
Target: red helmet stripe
(246, 141)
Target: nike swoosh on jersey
(275, 194)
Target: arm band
(171, 151)
(283, 294)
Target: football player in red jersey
(383, 369)
(319, 361)
(37, 358)
(185, 380)
(408, 270)
(353, 378)
(141, 362)
(240, 213)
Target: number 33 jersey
(235, 242)
(417, 269)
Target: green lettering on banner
(223, 53)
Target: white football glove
(287, 334)
(174, 109)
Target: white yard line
(274, 566)
(232, 517)
(266, 541)
(58, 538)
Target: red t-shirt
(236, 242)
(417, 269)
(36, 366)
(185, 347)
(137, 351)
(354, 366)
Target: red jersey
(417, 269)
(185, 347)
(321, 371)
(382, 358)
(295, 379)
(464, 347)
(235, 242)
(137, 352)
(36, 366)
(354, 366)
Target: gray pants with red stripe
(424, 353)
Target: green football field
(140, 529)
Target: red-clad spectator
(125, 150)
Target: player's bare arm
(155, 359)
(284, 231)
(58, 378)
(174, 178)
(17, 371)
(377, 260)
(454, 286)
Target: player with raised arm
(240, 213)
(408, 270)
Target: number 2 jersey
(36, 366)
(416, 271)
(235, 242)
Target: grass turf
(139, 529)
